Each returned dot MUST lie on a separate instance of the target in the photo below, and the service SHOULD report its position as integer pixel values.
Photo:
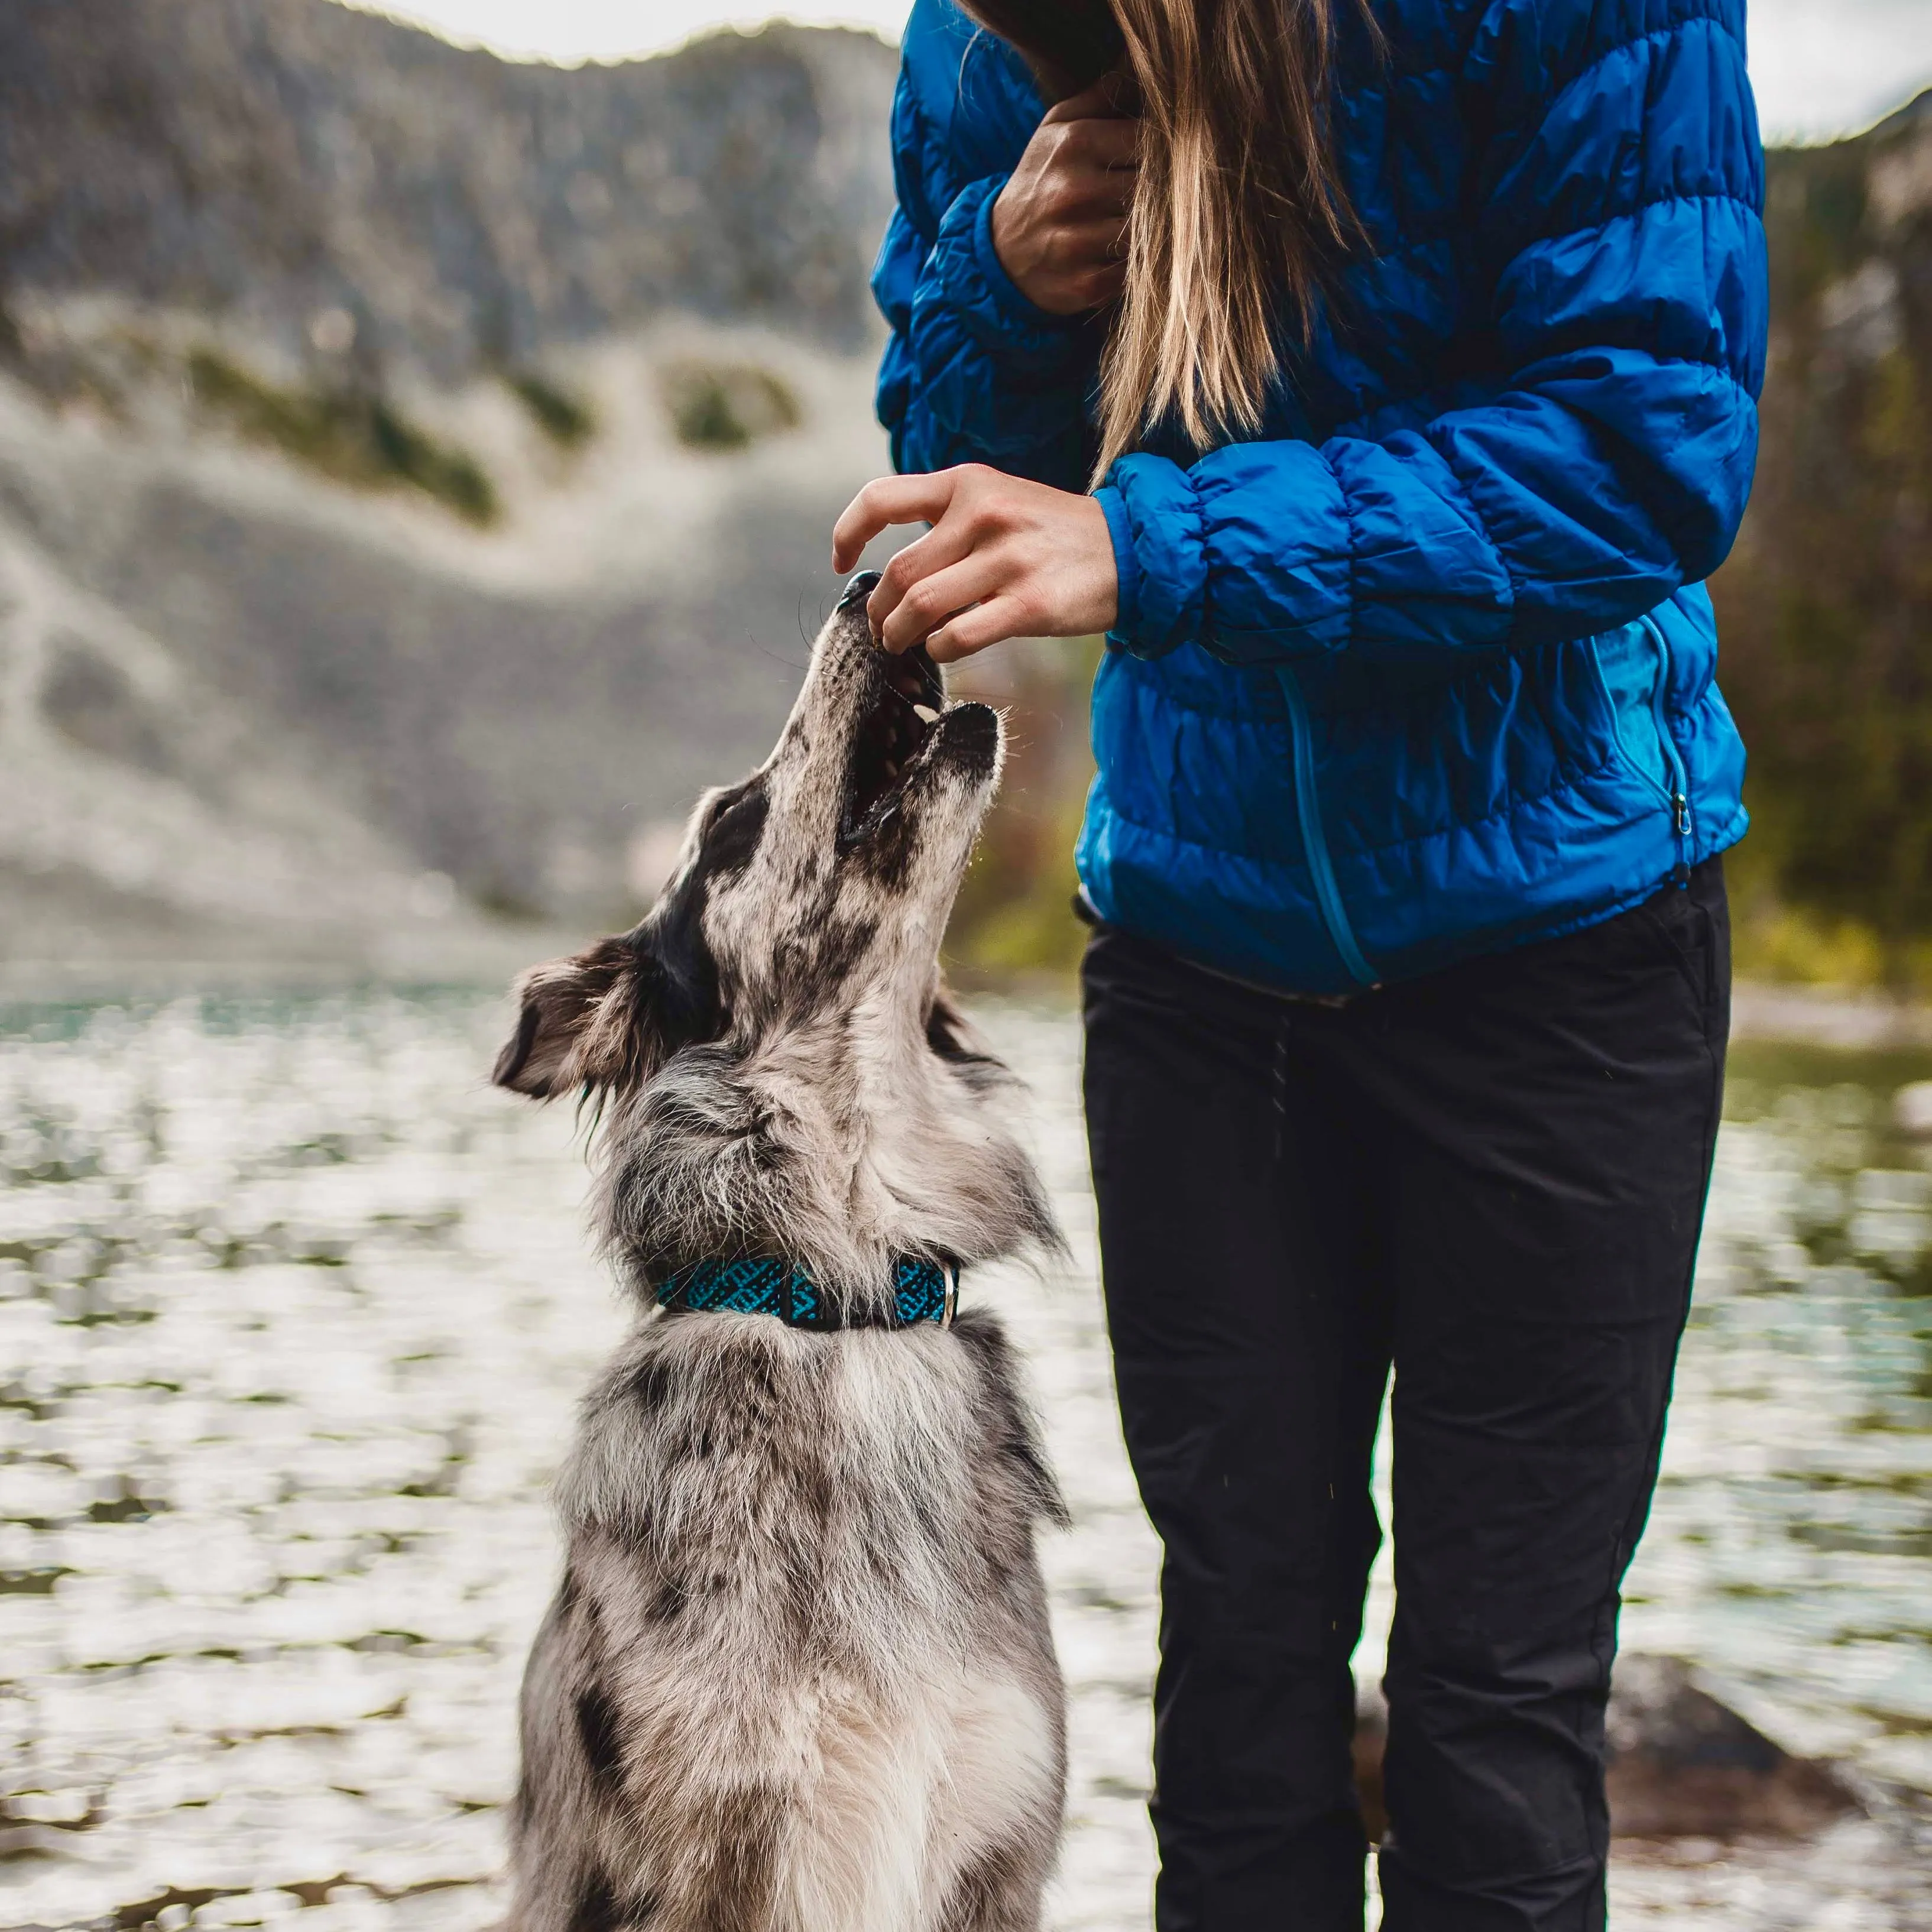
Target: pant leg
(1550, 1116)
(1251, 1357)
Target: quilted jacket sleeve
(1608, 461)
(974, 372)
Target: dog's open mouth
(911, 699)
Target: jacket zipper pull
(1680, 801)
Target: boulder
(1682, 1764)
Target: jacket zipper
(1314, 844)
(1680, 792)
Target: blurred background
(420, 430)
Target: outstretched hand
(1004, 558)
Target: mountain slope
(359, 533)
(276, 162)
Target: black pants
(1492, 1179)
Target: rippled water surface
(293, 1312)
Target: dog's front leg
(567, 1855)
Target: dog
(799, 1676)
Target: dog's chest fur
(853, 1499)
(797, 1678)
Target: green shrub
(726, 405)
(567, 420)
(354, 437)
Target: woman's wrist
(1001, 284)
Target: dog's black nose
(858, 588)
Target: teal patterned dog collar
(923, 1291)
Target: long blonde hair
(1239, 216)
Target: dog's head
(778, 1014)
(820, 883)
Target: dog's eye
(715, 807)
(719, 803)
(732, 835)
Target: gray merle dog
(799, 1676)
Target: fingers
(1090, 243)
(931, 602)
(1093, 194)
(885, 501)
(991, 622)
(946, 543)
(1114, 145)
(1086, 179)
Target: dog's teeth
(926, 714)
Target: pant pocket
(1690, 927)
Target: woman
(1415, 350)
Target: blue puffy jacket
(1425, 670)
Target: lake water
(294, 1310)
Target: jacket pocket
(1634, 667)
(1630, 672)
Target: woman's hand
(1060, 224)
(1004, 558)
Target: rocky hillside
(414, 469)
(284, 163)
(1826, 604)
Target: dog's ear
(948, 1035)
(946, 1032)
(586, 1022)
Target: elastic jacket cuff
(1126, 564)
(973, 283)
(1160, 552)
